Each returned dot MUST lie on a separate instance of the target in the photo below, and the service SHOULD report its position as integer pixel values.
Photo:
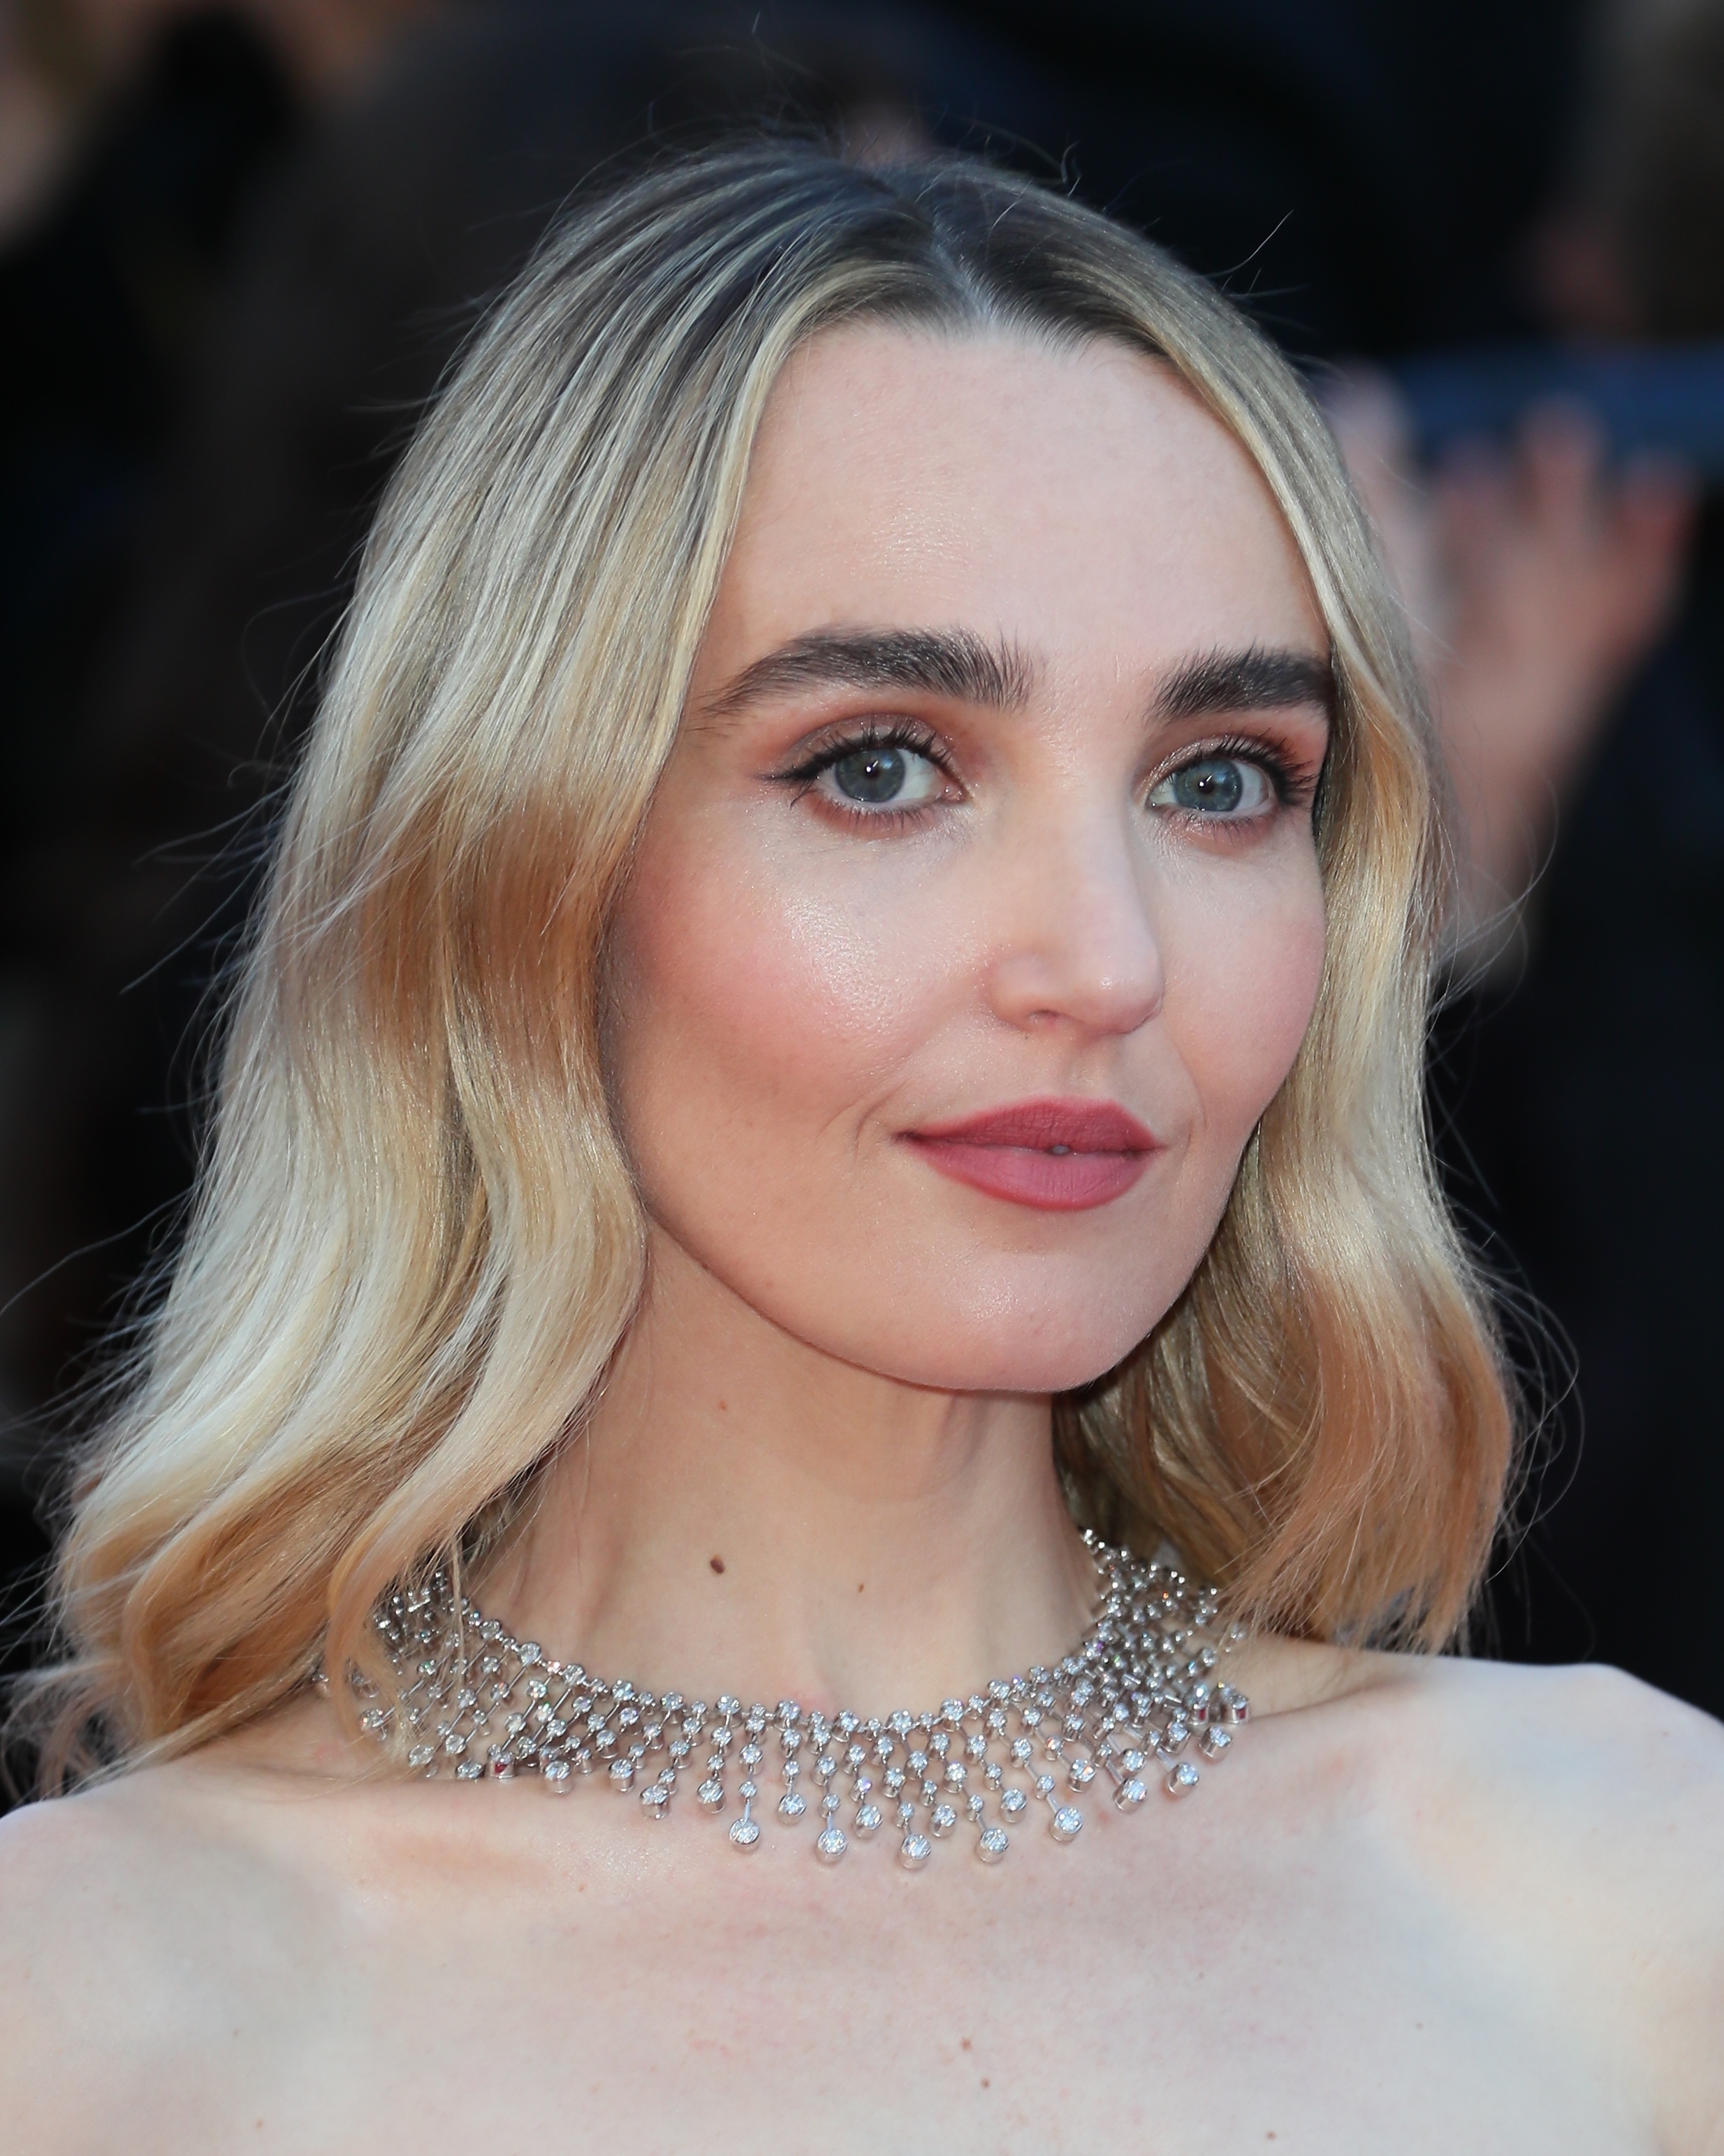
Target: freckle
(724, 1407)
(966, 2042)
(986, 2083)
(858, 1587)
(717, 1563)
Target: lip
(1010, 1152)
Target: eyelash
(872, 734)
(1295, 784)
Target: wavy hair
(416, 1243)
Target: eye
(881, 775)
(1230, 789)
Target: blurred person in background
(137, 138)
(1573, 618)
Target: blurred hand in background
(1536, 581)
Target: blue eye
(869, 774)
(1219, 786)
(881, 775)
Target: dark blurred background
(239, 244)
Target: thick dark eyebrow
(1254, 679)
(939, 662)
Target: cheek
(1240, 999)
(745, 1008)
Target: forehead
(1081, 501)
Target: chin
(1048, 1350)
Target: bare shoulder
(1581, 1758)
(1577, 1814)
(1582, 1751)
(136, 1911)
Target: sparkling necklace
(1126, 1706)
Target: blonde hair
(416, 1243)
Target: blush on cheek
(1248, 1020)
(750, 1021)
(1285, 997)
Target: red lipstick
(1059, 1155)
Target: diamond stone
(831, 1845)
(914, 1851)
(744, 1832)
(991, 1844)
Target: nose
(1073, 942)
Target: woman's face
(976, 919)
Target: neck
(743, 1513)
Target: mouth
(1060, 1156)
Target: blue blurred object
(1660, 397)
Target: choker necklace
(1131, 1701)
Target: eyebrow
(939, 662)
(959, 663)
(1254, 679)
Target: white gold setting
(1124, 1709)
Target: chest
(1315, 2001)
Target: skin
(1423, 1907)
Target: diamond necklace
(1126, 1706)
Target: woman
(841, 994)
